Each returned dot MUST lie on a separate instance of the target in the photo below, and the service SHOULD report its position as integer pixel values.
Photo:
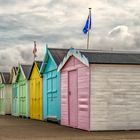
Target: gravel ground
(13, 128)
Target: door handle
(69, 93)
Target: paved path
(12, 128)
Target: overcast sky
(59, 23)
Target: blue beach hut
(51, 83)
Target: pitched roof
(112, 57)
(58, 54)
(14, 71)
(26, 69)
(102, 57)
(38, 65)
(5, 77)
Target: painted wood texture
(72, 98)
(5, 99)
(36, 94)
(23, 95)
(14, 99)
(51, 91)
(2, 99)
(115, 97)
(14, 103)
(82, 107)
(8, 98)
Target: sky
(59, 24)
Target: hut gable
(26, 69)
(13, 74)
(34, 73)
(77, 55)
(23, 72)
(53, 57)
(5, 77)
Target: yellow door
(36, 99)
(35, 94)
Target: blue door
(52, 94)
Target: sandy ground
(13, 128)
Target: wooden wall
(115, 97)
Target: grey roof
(112, 57)
(58, 54)
(5, 77)
(26, 69)
(39, 64)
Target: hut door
(22, 100)
(52, 94)
(72, 98)
(37, 100)
(14, 106)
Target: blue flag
(87, 26)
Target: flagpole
(88, 29)
(34, 47)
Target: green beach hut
(23, 90)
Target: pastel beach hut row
(36, 98)
(27, 96)
(100, 90)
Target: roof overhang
(76, 54)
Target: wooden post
(88, 40)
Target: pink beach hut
(100, 90)
(75, 111)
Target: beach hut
(14, 105)
(35, 91)
(23, 89)
(100, 90)
(5, 93)
(51, 83)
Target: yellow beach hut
(35, 91)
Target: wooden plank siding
(83, 93)
(36, 109)
(115, 97)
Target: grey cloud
(59, 23)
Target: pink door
(72, 98)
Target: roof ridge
(105, 51)
(58, 48)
